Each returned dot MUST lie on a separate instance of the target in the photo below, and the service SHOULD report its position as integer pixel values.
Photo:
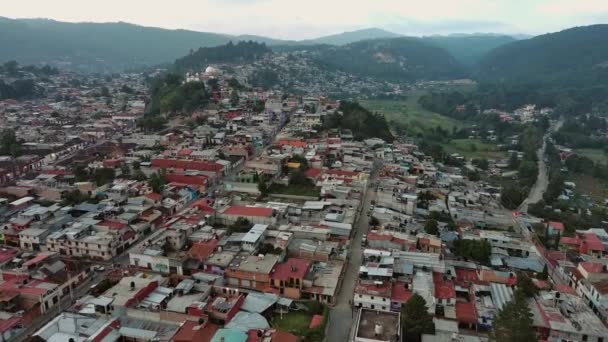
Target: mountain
(396, 59)
(468, 49)
(573, 57)
(96, 46)
(108, 47)
(350, 37)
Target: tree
(263, 187)
(478, 250)
(415, 319)
(126, 89)
(297, 177)
(213, 84)
(136, 165)
(139, 175)
(103, 176)
(156, 182)
(105, 92)
(374, 222)
(511, 196)
(514, 322)
(234, 98)
(73, 197)
(125, 169)
(544, 275)
(525, 285)
(513, 161)
(9, 144)
(241, 225)
(431, 227)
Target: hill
(573, 57)
(397, 59)
(229, 53)
(109, 47)
(469, 49)
(350, 37)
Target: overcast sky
(301, 19)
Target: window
(372, 297)
(384, 299)
(584, 337)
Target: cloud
(297, 19)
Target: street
(341, 317)
(542, 181)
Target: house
(373, 295)
(252, 273)
(289, 277)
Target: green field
(295, 322)
(595, 154)
(474, 148)
(410, 113)
(589, 185)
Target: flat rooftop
(387, 323)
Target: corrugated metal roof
(501, 294)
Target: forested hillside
(398, 59)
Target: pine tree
(514, 321)
(416, 319)
(544, 275)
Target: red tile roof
(187, 165)
(198, 180)
(444, 289)
(237, 210)
(593, 242)
(399, 293)
(569, 240)
(8, 324)
(465, 312)
(592, 267)
(292, 143)
(341, 173)
(191, 331)
(184, 152)
(564, 289)
(312, 173)
(112, 224)
(202, 250)
(556, 225)
(154, 196)
(292, 268)
(466, 275)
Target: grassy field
(474, 148)
(595, 154)
(410, 113)
(295, 321)
(589, 185)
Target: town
(384, 188)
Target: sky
(305, 19)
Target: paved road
(542, 181)
(341, 315)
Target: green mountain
(350, 37)
(240, 52)
(469, 49)
(573, 57)
(101, 47)
(96, 46)
(397, 59)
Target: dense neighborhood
(238, 213)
